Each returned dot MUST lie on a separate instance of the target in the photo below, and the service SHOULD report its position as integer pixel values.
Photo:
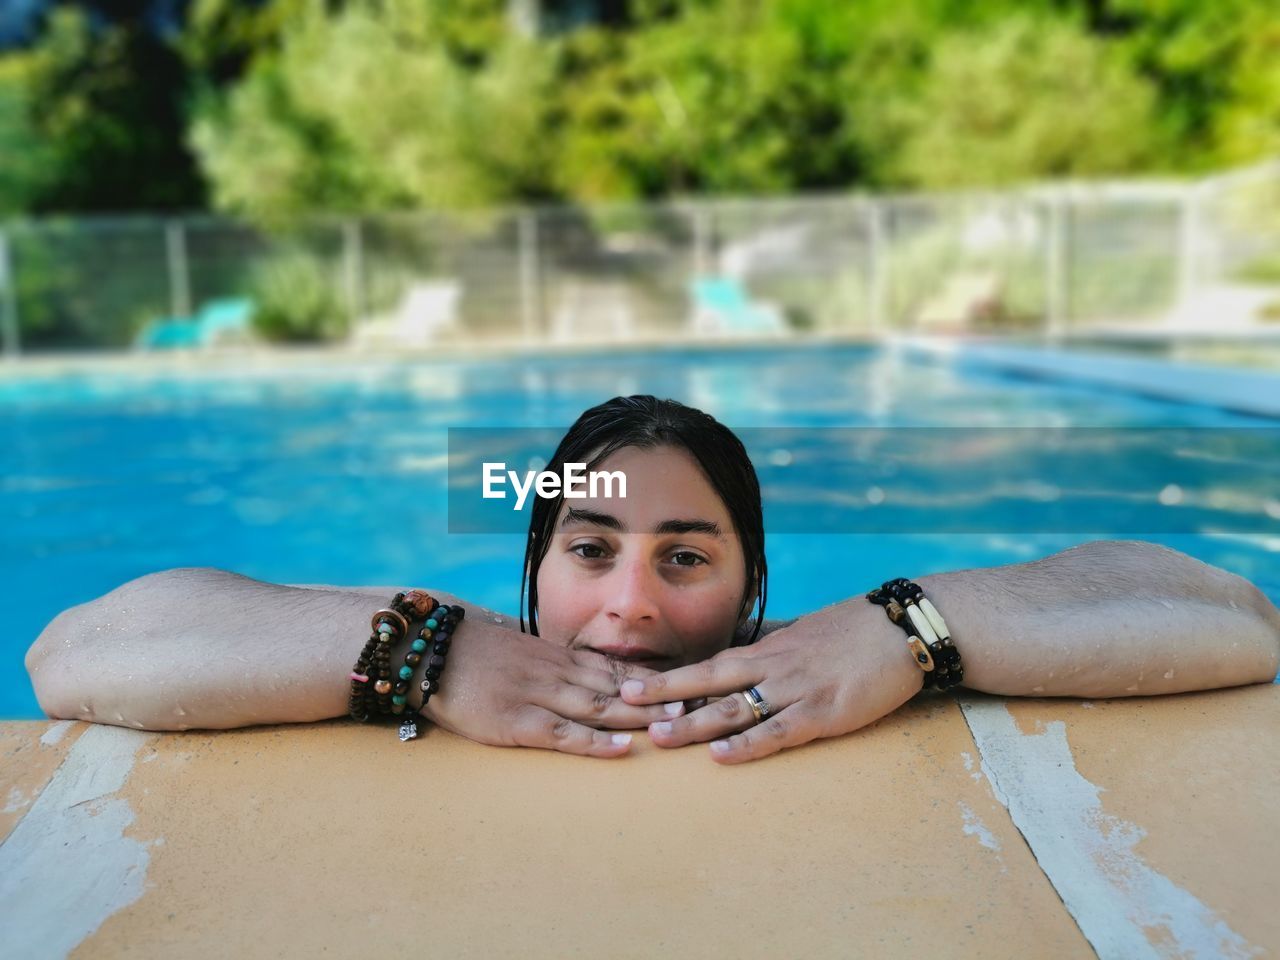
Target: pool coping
(1236, 389)
(971, 826)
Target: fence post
(701, 240)
(9, 301)
(353, 270)
(701, 264)
(1055, 286)
(528, 264)
(179, 274)
(1189, 227)
(878, 266)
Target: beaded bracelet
(927, 633)
(437, 631)
(371, 687)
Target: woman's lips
(629, 652)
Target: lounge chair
(217, 320)
(721, 306)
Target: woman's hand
(827, 674)
(512, 689)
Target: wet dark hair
(646, 422)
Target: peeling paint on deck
(974, 827)
(56, 732)
(67, 866)
(1124, 908)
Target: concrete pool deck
(968, 826)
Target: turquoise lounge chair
(168, 333)
(722, 306)
(216, 320)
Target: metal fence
(1202, 255)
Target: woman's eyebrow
(708, 527)
(580, 515)
(592, 518)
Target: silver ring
(760, 708)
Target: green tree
(368, 108)
(1246, 128)
(25, 159)
(1028, 98)
(728, 97)
(104, 107)
(1205, 61)
(392, 103)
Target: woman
(639, 605)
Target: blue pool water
(327, 472)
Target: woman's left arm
(1104, 619)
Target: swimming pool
(291, 473)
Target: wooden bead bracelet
(371, 684)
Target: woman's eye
(690, 559)
(588, 548)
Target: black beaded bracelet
(927, 632)
(438, 631)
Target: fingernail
(660, 726)
(719, 746)
(633, 687)
(674, 709)
(621, 739)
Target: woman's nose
(632, 598)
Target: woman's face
(655, 578)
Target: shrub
(295, 300)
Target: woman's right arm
(199, 648)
